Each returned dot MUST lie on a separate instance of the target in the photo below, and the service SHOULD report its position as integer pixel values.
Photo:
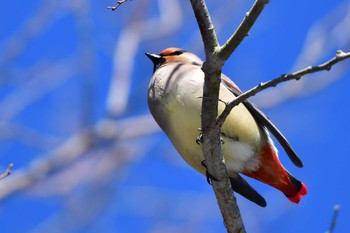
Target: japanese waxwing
(174, 101)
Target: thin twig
(7, 172)
(283, 78)
(243, 30)
(336, 210)
(119, 3)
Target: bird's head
(173, 55)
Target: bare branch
(211, 132)
(336, 210)
(119, 3)
(215, 59)
(283, 78)
(206, 26)
(324, 37)
(243, 30)
(7, 172)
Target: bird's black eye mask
(177, 52)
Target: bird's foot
(207, 174)
(199, 139)
(222, 141)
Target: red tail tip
(297, 197)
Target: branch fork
(216, 56)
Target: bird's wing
(264, 121)
(242, 187)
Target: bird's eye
(177, 52)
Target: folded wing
(265, 122)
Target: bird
(175, 99)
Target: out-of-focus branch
(324, 37)
(36, 88)
(40, 168)
(74, 148)
(96, 177)
(136, 31)
(87, 61)
(340, 56)
(336, 210)
(27, 136)
(32, 28)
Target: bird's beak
(154, 57)
(157, 60)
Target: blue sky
(71, 66)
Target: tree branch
(206, 26)
(336, 210)
(283, 78)
(243, 30)
(211, 124)
(7, 172)
(119, 3)
(215, 59)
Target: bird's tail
(272, 172)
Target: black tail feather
(242, 187)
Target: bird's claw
(199, 139)
(207, 174)
(222, 141)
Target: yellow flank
(183, 120)
(239, 120)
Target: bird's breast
(175, 102)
